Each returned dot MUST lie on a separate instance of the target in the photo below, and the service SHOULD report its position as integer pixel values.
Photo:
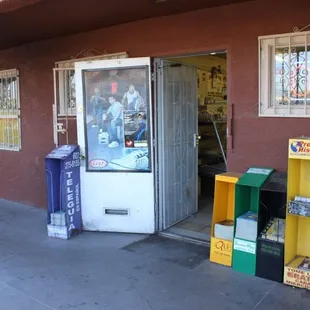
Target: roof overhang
(24, 21)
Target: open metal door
(177, 141)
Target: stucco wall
(257, 141)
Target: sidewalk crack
(262, 299)
(22, 293)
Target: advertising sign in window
(117, 119)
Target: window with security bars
(64, 108)
(10, 133)
(284, 81)
(65, 82)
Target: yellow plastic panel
(293, 180)
(221, 251)
(304, 182)
(223, 209)
(303, 242)
(224, 197)
(228, 177)
(220, 202)
(231, 202)
(291, 236)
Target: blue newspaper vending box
(62, 167)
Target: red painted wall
(257, 141)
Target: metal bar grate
(64, 109)
(10, 131)
(284, 66)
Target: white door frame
(133, 191)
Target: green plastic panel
(247, 198)
(248, 190)
(243, 261)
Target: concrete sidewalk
(92, 271)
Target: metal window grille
(64, 108)
(284, 80)
(10, 131)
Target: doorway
(115, 136)
(206, 138)
(121, 167)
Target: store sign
(299, 148)
(259, 171)
(245, 246)
(221, 251)
(73, 199)
(297, 277)
(98, 163)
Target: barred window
(10, 133)
(64, 81)
(64, 108)
(284, 75)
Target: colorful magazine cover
(249, 216)
(226, 223)
(305, 265)
(274, 230)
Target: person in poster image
(114, 117)
(140, 132)
(97, 102)
(133, 98)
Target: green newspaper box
(247, 202)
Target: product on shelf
(299, 206)
(246, 227)
(224, 230)
(302, 199)
(305, 265)
(274, 230)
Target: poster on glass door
(116, 114)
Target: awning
(24, 21)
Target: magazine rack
(223, 209)
(270, 253)
(297, 233)
(247, 199)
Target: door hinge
(153, 76)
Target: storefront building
(265, 66)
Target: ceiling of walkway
(24, 21)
